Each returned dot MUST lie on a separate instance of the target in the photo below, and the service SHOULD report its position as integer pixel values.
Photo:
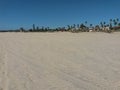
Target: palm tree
(90, 25)
(104, 24)
(33, 27)
(110, 20)
(86, 23)
(37, 29)
(82, 26)
(42, 29)
(71, 26)
(22, 29)
(101, 24)
(74, 26)
(115, 22)
(118, 24)
(78, 26)
(48, 28)
(110, 24)
(68, 27)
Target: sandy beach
(60, 61)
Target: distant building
(116, 28)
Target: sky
(55, 13)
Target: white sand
(59, 61)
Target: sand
(60, 61)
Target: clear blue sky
(55, 13)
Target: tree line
(112, 25)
